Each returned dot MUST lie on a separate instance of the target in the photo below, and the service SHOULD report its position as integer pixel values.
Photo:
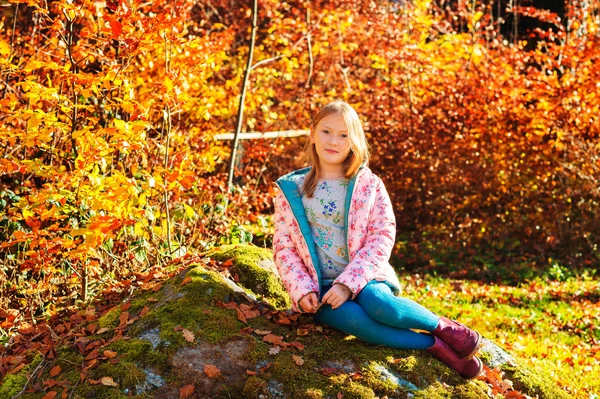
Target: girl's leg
(352, 319)
(380, 303)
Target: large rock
(189, 335)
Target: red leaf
(116, 27)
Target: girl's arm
(379, 242)
(294, 274)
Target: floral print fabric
(325, 214)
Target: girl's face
(332, 142)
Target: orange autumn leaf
(186, 391)
(211, 371)
(50, 395)
(55, 371)
(109, 354)
(186, 280)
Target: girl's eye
(344, 136)
(326, 131)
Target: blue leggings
(378, 317)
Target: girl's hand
(337, 295)
(309, 303)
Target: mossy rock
(256, 270)
(224, 357)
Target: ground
(221, 328)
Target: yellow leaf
(4, 48)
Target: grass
(549, 325)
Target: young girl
(334, 233)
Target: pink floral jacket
(371, 228)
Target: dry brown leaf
(123, 318)
(102, 330)
(298, 360)
(262, 332)
(211, 371)
(55, 371)
(188, 335)
(144, 311)
(108, 381)
(109, 354)
(186, 391)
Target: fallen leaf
(144, 311)
(109, 354)
(262, 332)
(102, 330)
(186, 391)
(250, 372)
(298, 360)
(108, 381)
(297, 345)
(241, 315)
(185, 281)
(328, 370)
(123, 318)
(92, 355)
(211, 371)
(125, 306)
(275, 350)
(301, 332)
(273, 339)
(249, 311)
(188, 335)
(50, 395)
(55, 371)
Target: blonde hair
(359, 149)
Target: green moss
(193, 307)
(111, 319)
(124, 373)
(310, 393)
(373, 378)
(534, 384)
(12, 384)
(254, 388)
(260, 281)
(353, 390)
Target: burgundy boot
(462, 339)
(467, 368)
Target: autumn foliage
(109, 111)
